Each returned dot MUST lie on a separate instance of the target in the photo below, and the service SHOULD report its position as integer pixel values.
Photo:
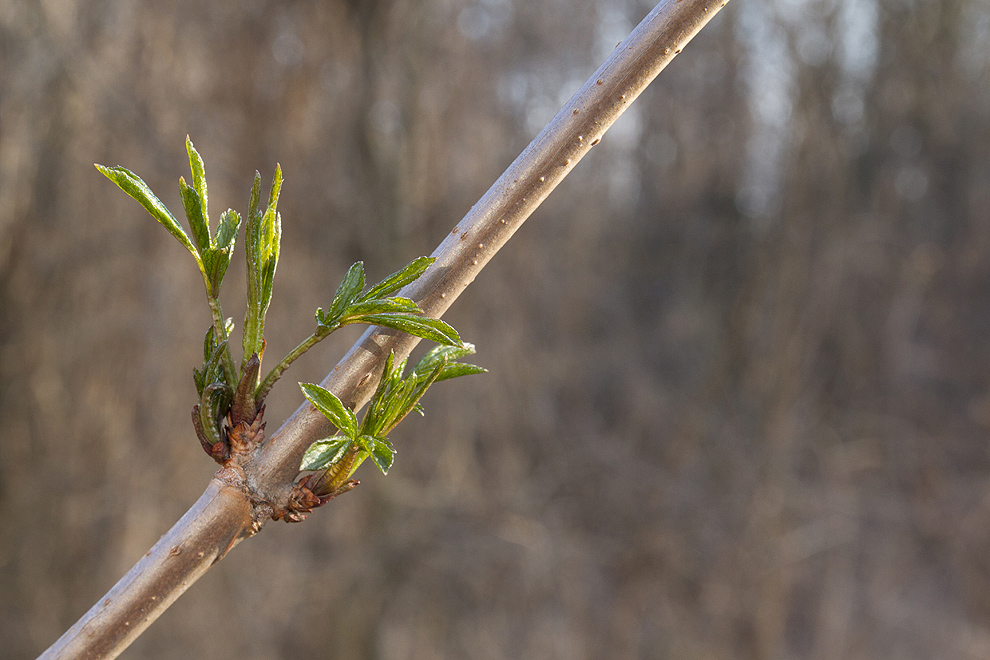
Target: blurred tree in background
(740, 369)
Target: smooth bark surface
(219, 518)
(232, 509)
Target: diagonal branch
(237, 504)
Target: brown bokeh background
(738, 402)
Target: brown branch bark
(238, 503)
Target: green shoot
(230, 401)
(396, 396)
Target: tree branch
(220, 517)
(238, 503)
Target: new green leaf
(324, 453)
(198, 171)
(396, 281)
(383, 455)
(196, 214)
(418, 326)
(347, 292)
(327, 403)
(134, 186)
(381, 306)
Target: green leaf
(209, 343)
(382, 306)
(198, 171)
(213, 369)
(196, 215)
(365, 442)
(418, 326)
(262, 237)
(205, 427)
(269, 240)
(445, 354)
(458, 369)
(220, 256)
(376, 407)
(395, 398)
(267, 282)
(324, 453)
(230, 225)
(200, 379)
(215, 264)
(396, 281)
(214, 403)
(391, 371)
(422, 382)
(383, 454)
(276, 188)
(132, 184)
(255, 196)
(216, 261)
(391, 375)
(328, 404)
(346, 293)
(273, 248)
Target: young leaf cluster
(396, 396)
(211, 252)
(215, 393)
(375, 306)
(230, 404)
(262, 239)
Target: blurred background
(739, 393)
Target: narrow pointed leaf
(213, 367)
(423, 383)
(198, 171)
(200, 379)
(327, 403)
(346, 293)
(195, 214)
(458, 369)
(255, 196)
(209, 343)
(376, 407)
(382, 306)
(391, 369)
(324, 453)
(213, 406)
(206, 432)
(261, 235)
(418, 326)
(396, 281)
(420, 383)
(132, 184)
(442, 354)
(276, 188)
(267, 282)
